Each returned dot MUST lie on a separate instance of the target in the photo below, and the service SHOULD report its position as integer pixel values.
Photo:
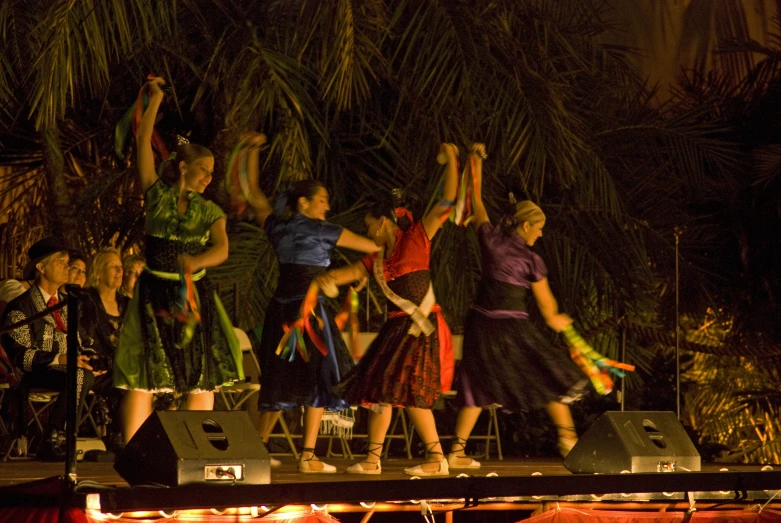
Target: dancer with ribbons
(406, 365)
(176, 336)
(506, 360)
(300, 360)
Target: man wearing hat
(39, 349)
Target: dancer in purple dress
(506, 360)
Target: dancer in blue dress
(300, 363)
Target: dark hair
(187, 153)
(300, 189)
(387, 207)
(76, 255)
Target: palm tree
(59, 57)
(359, 94)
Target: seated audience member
(102, 311)
(39, 349)
(77, 270)
(10, 288)
(132, 266)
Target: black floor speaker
(195, 448)
(634, 442)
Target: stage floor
(527, 485)
(24, 470)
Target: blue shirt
(302, 240)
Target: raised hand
(155, 86)
(447, 151)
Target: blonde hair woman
(102, 311)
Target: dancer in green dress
(176, 338)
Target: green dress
(155, 352)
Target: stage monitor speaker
(195, 447)
(634, 442)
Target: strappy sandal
(304, 468)
(418, 470)
(452, 458)
(375, 449)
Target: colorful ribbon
(596, 366)
(349, 313)
(237, 181)
(186, 309)
(293, 338)
(131, 120)
(463, 209)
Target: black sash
(495, 295)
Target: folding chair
(234, 396)
(406, 434)
(287, 436)
(87, 414)
(37, 401)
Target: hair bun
(397, 196)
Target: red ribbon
(157, 140)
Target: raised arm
(476, 156)
(440, 211)
(214, 255)
(548, 307)
(257, 199)
(146, 158)
(356, 242)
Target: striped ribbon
(349, 314)
(462, 210)
(131, 120)
(237, 180)
(596, 366)
(186, 310)
(292, 341)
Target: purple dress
(506, 360)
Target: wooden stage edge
(499, 485)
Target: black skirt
(508, 362)
(292, 381)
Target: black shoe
(52, 448)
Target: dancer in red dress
(401, 368)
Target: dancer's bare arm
(548, 306)
(476, 157)
(342, 276)
(356, 242)
(146, 158)
(441, 209)
(214, 255)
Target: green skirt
(154, 352)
